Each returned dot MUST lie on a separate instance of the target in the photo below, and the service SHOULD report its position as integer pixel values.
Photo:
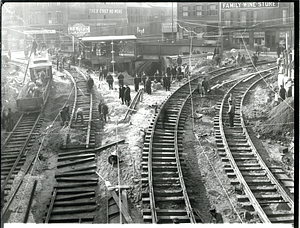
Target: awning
(108, 38)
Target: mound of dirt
(280, 119)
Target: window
(284, 14)
(227, 18)
(254, 17)
(185, 10)
(198, 10)
(58, 17)
(213, 9)
(50, 18)
(243, 18)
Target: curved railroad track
(263, 192)
(74, 197)
(162, 156)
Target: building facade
(231, 24)
(198, 20)
(257, 23)
(60, 24)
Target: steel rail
(150, 178)
(284, 195)
(88, 134)
(188, 205)
(21, 153)
(11, 133)
(4, 210)
(252, 198)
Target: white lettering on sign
(78, 29)
(231, 5)
(106, 11)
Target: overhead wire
(245, 46)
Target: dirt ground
(204, 175)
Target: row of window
(132, 19)
(249, 17)
(198, 10)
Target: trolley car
(34, 94)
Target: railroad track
(165, 194)
(263, 193)
(74, 197)
(162, 157)
(15, 147)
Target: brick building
(57, 22)
(261, 23)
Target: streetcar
(34, 93)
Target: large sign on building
(79, 30)
(241, 5)
(111, 10)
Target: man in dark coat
(104, 111)
(231, 112)
(122, 93)
(168, 71)
(34, 47)
(136, 81)
(167, 82)
(127, 97)
(121, 79)
(105, 71)
(173, 72)
(216, 51)
(90, 84)
(110, 81)
(148, 85)
(282, 92)
(179, 60)
(205, 85)
(278, 51)
(255, 59)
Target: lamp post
(113, 57)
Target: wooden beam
(122, 206)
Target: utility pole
(220, 29)
(172, 24)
